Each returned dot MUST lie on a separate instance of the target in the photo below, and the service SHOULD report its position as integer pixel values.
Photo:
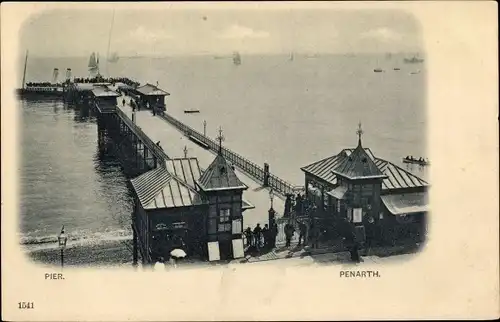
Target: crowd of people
(42, 84)
(298, 204)
(264, 239)
(261, 238)
(112, 80)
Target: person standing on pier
(123, 102)
(248, 235)
(289, 230)
(256, 236)
(265, 234)
(314, 235)
(302, 233)
(288, 206)
(274, 234)
(298, 204)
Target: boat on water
(113, 58)
(415, 72)
(291, 58)
(413, 60)
(420, 161)
(40, 90)
(397, 68)
(378, 70)
(191, 111)
(236, 58)
(94, 65)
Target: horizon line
(229, 55)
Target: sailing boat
(114, 56)
(291, 56)
(94, 65)
(414, 60)
(236, 58)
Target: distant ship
(420, 161)
(291, 56)
(236, 58)
(41, 89)
(397, 68)
(94, 65)
(378, 70)
(113, 58)
(413, 60)
(415, 72)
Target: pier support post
(101, 133)
(135, 251)
(266, 174)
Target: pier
(145, 138)
(193, 193)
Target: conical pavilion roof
(358, 165)
(220, 176)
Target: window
(224, 215)
(237, 226)
(349, 214)
(224, 220)
(357, 216)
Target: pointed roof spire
(220, 138)
(220, 176)
(358, 164)
(359, 132)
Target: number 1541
(26, 305)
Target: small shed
(151, 96)
(104, 99)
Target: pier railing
(277, 184)
(161, 156)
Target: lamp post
(185, 151)
(271, 197)
(272, 217)
(62, 239)
(204, 128)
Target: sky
(168, 32)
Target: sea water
(271, 109)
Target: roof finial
(220, 138)
(359, 132)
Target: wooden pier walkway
(173, 142)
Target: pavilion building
(183, 206)
(354, 191)
(150, 96)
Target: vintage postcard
(249, 161)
